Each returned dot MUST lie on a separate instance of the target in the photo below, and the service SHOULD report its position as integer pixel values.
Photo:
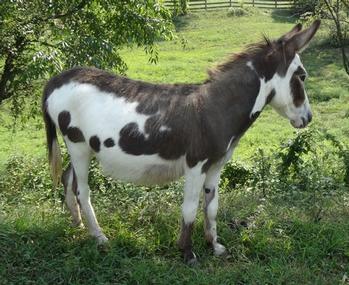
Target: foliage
(338, 12)
(310, 168)
(42, 38)
(335, 14)
(303, 6)
(22, 176)
(234, 175)
(180, 7)
(242, 10)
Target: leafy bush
(234, 174)
(307, 170)
(237, 12)
(303, 6)
(24, 175)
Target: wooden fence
(219, 4)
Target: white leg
(80, 158)
(211, 207)
(70, 189)
(194, 181)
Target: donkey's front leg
(194, 181)
(211, 207)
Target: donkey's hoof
(219, 250)
(190, 258)
(102, 239)
(77, 224)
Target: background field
(285, 242)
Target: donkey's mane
(248, 53)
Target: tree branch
(82, 4)
(335, 17)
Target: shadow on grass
(181, 22)
(327, 78)
(283, 16)
(53, 253)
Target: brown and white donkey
(155, 133)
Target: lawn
(283, 242)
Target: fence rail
(218, 4)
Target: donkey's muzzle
(302, 122)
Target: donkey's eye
(302, 77)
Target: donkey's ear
(300, 40)
(291, 33)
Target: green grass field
(283, 243)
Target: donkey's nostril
(310, 117)
(304, 122)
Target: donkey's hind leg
(80, 155)
(70, 190)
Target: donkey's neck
(235, 98)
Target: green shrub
(303, 6)
(24, 176)
(236, 12)
(234, 174)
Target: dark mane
(249, 52)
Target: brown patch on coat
(95, 143)
(109, 142)
(64, 119)
(297, 86)
(270, 96)
(65, 178)
(209, 196)
(185, 242)
(74, 134)
(297, 91)
(65, 181)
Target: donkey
(155, 133)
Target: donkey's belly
(142, 169)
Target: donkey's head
(287, 81)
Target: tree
(42, 37)
(338, 12)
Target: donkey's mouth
(299, 124)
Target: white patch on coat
(104, 114)
(165, 129)
(194, 182)
(230, 142)
(250, 65)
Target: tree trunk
(8, 72)
(6, 78)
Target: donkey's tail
(54, 152)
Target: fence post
(230, 2)
(252, 3)
(276, 3)
(206, 5)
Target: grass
(283, 243)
